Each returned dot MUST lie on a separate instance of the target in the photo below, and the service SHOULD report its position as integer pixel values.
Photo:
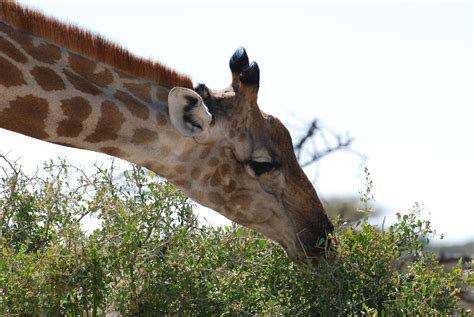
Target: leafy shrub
(151, 256)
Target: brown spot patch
(5, 29)
(241, 218)
(216, 179)
(154, 166)
(45, 53)
(225, 169)
(110, 122)
(182, 183)
(165, 150)
(81, 65)
(141, 91)
(42, 52)
(186, 155)
(85, 68)
(230, 187)
(243, 201)
(11, 51)
(161, 118)
(47, 78)
(205, 179)
(160, 167)
(10, 75)
(197, 195)
(162, 93)
(112, 151)
(14, 34)
(77, 109)
(216, 198)
(148, 164)
(205, 153)
(195, 173)
(142, 135)
(26, 115)
(81, 84)
(103, 78)
(124, 75)
(180, 169)
(213, 161)
(134, 106)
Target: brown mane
(88, 44)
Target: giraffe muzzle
(314, 242)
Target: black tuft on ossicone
(239, 60)
(250, 75)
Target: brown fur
(88, 44)
(134, 106)
(8, 48)
(47, 78)
(76, 109)
(142, 135)
(11, 75)
(26, 115)
(110, 122)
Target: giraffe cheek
(241, 202)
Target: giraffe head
(256, 180)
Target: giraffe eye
(260, 168)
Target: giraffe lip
(314, 244)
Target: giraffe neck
(56, 95)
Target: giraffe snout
(313, 240)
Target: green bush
(151, 256)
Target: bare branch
(319, 141)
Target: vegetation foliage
(151, 256)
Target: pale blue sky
(396, 74)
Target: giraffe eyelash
(260, 168)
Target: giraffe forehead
(277, 135)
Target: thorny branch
(318, 141)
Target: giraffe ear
(188, 113)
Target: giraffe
(64, 85)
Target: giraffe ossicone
(61, 84)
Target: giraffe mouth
(312, 243)
(303, 252)
(313, 250)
